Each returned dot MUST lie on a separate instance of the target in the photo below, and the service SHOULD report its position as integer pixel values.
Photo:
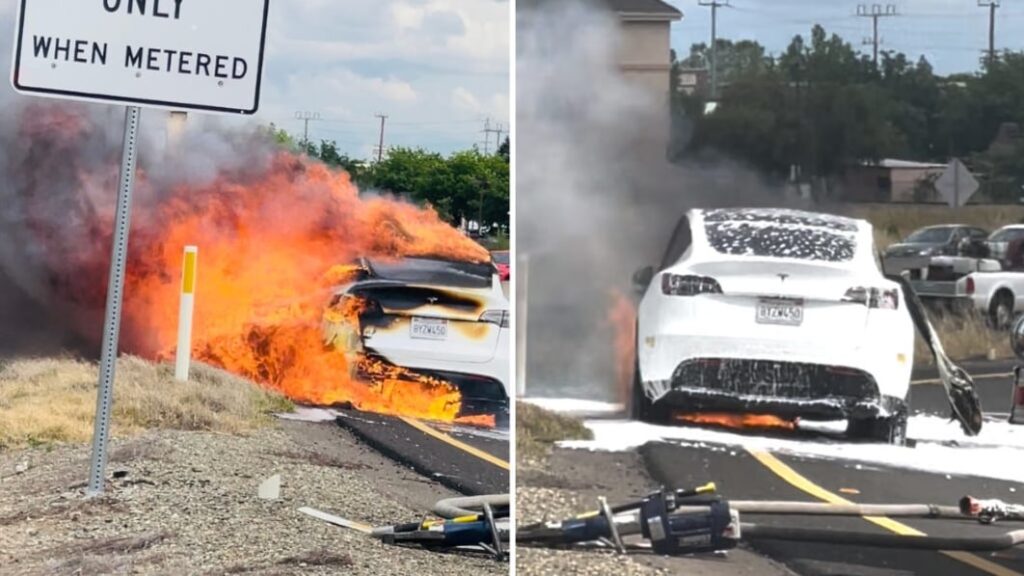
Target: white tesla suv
(441, 318)
(778, 312)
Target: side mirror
(642, 278)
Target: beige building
(645, 52)
(891, 180)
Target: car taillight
(689, 285)
(970, 285)
(499, 317)
(874, 297)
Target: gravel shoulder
(568, 482)
(186, 503)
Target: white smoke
(596, 197)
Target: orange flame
(479, 420)
(273, 243)
(622, 317)
(738, 421)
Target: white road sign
(957, 184)
(178, 54)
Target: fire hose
(479, 522)
(692, 521)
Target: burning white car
(437, 318)
(776, 312)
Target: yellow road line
(452, 441)
(974, 376)
(801, 482)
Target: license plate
(784, 312)
(429, 328)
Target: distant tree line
(822, 106)
(466, 185)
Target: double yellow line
(797, 480)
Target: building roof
(644, 9)
(628, 10)
(896, 164)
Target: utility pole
(380, 146)
(487, 136)
(715, 5)
(875, 11)
(991, 5)
(306, 117)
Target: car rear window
(778, 240)
(779, 216)
(434, 272)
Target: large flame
(273, 242)
(622, 317)
(738, 421)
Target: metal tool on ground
(670, 524)
(479, 522)
(991, 510)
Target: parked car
(944, 240)
(440, 318)
(777, 312)
(992, 286)
(501, 261)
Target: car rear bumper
(783, 389)
(885, 362)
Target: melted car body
(448, 320)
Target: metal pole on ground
(115, 290)
(185, 308)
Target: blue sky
(951, 33)
(437, 68)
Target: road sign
(957, 184)
(176, 54)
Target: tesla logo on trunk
(783, 277)
(432, 299)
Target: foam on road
(941, 448)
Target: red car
(500, 258)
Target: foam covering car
(771, 311)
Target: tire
(641, 408)
(1000, 311)
(891, 430)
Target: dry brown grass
(538, 429)
(50, 400)
(893, 222)
(964, 337)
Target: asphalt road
(466, 460)
(750, 475)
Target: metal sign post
(216, 66)
(115, 289)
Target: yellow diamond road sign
(957, 184)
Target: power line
(487, 136)
(875, 11)
(991, 5)
(715, 5)
(307, 117)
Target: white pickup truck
(994, 286)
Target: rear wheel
(1001, 310)
(641, 407)
(890, 430)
